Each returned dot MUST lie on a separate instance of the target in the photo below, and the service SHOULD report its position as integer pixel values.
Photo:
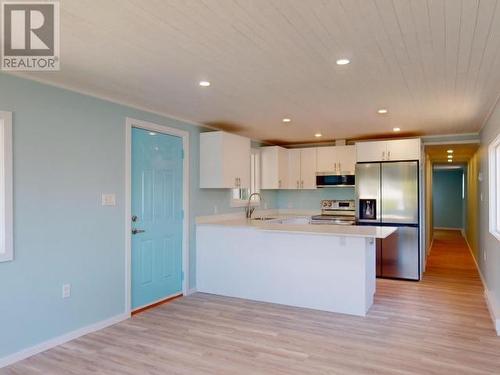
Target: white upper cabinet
(393, 150)
(224, 160)
(274, 167)
(302, 168)
(308, 168)
(294, 168)
(336, 159)
(404, 149)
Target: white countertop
(318, 229)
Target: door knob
(137, 231)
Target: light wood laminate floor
(438, 326)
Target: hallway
(440, 325)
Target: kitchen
(380, 184)
(250, 187)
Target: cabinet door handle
(302, 184)
(388, 155)
(297, 184)
(340, 168)
(279, 183)
(383, 155)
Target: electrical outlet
(108, 199)
(484, 255)
(66, 290)
(216, 209)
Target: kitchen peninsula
(324, 267)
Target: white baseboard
(493, 308)
(56, 341)
(191, 291)
(488, 296)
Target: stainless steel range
(336, 212)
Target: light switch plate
(66, 290)
(108, 199)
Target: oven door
(334, 180)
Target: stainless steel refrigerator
(387, 194)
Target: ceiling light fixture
(204, 83)
(382, 111)
(450, 156)
(286, 120)
(317, 135)
(343, 61)
(152, 133)
(396, 129)
(449, 160)
(450, 151)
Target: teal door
(156, 216)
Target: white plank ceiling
(434, 64)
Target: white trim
(6, 188)
(494, 186)
(191, 291)
(491, 303)
(493, 309)
(129, 123)
(56, 341)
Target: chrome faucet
(249, 210)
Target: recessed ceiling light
(449, 160)
(152, 133)
(396, 129)
(317, 135)
(450, 151)
(450, 156)
(286, 119)
(382, 111)
(343, 61)
(204, 83)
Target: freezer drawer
(400, 254)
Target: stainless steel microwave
(328, 179)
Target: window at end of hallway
(494, 180)
(6, 222)
(239, 197)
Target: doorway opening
(451, 191)
(156, 214)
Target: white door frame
(133, 123)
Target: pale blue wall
(310, 199)
(448, 205)
(68, 149)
